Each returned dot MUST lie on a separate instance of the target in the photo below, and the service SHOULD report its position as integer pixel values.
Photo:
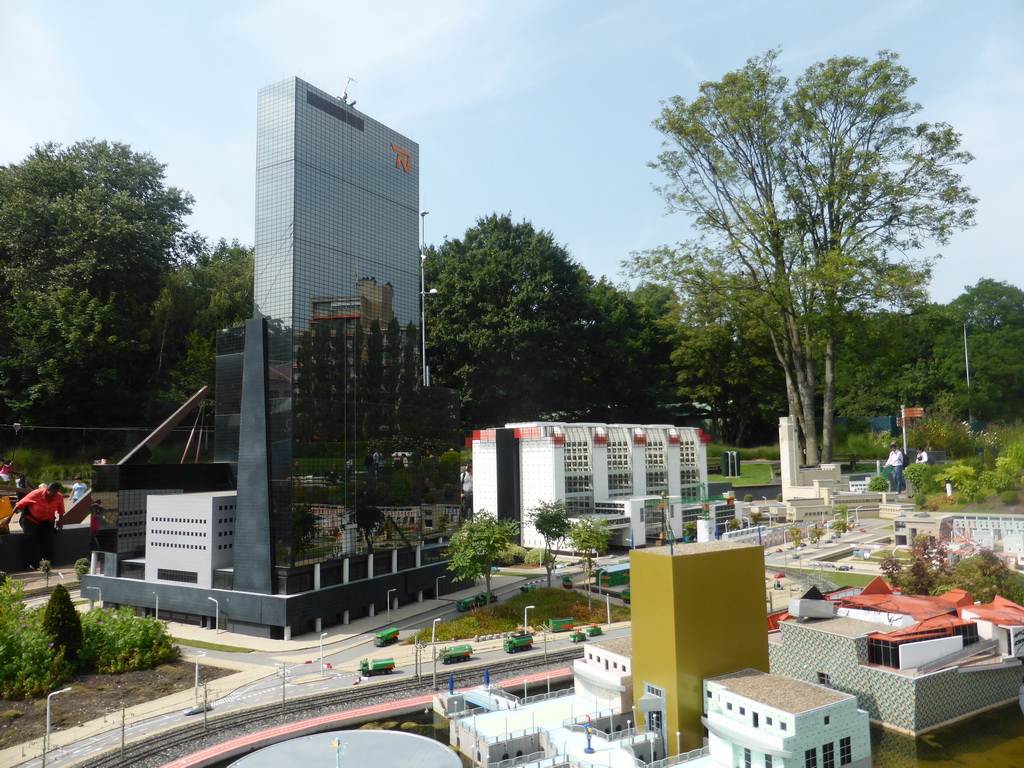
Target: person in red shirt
(38, 510)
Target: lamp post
(216, 620)
(46, 738)
(437, 587)
(322, 636)
(389, 603)
(967, 366)
(284, 679)
(526, 613)
(423, 295)
(198, 657)
(679, 742)
(433, 631)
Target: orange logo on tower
(403, 159)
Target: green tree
(551, 519)
(801, 194)
(88, 234)
(796, 536)
(589, 538)
(984, 576)
(816, 534)
(924, 572)
(62, 623)
(507, 323)
(477, 545)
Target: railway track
(153, 750)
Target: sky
(541, 109)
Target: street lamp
(389, 603)
(216, 620)
(424, 293)
(433, 631)
(437, 587)
(322, 636)
(526, 612)
(46, 739)
(198, 657)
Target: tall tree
(476, 546)
(802, 193)
(551, 519)
(507, 322)
(88, 234)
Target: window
(743, 711)
(824, 679)
(767, 761)
(746, 758)
(767, 721)
(827, 719)
(754, 715)
(782, 724)
(728, 705)
(828, 755)
(811, 758)
(845, 753)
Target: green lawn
(840, 578)
(751, 473)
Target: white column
(344, 571)
(316, 577)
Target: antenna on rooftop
(344, 93)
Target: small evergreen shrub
(63, 624)
(82, 566)
(748, 498)
(1009, 498)
(535, 557)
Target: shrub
(924, 478)
(748, 498)
(535, 557)
(996, 481)
(62, 623)
(878, 484)
(82, 566)
(920, 500)
(119, 641)
(779, 497)
(1009, 498)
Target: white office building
(189, 536)
(644, 480)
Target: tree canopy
(551, 519)
(88, 234)
(808, 197)
(475, 548)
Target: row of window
(174, 545)
(828, 754)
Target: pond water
(994, 739)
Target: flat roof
(620, 645)
(782, 693)
(843, 625)
(699, 548)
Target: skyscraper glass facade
(357, 445)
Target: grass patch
(554, 603)
(840, 578)
(881, 554)
(750, 474)
(212, 646)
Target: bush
(119, 641)
(535, 557)
(748, 498)
(511, 555)
(878, 484)
(62, 623)
(996, 481)
(82, 566)
(1009, 498)
(920, 500)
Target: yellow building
(697, 613)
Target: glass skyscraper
(359, 458)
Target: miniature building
(644, 481)
(605, 674)
(758, 719)
(697, 612)
(189, 536)
(915, 662)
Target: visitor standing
(922, 456)
(897, 460)
(78, 490)
(6, 469)
(38, 510)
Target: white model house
(759, 720)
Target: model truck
(456, 653)
(577, 637)
(376, 667)
(561, 625)
(466, 604)
(386, 637)
(567, 582)
(592, 630)
(519, 642)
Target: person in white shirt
(897, 460)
